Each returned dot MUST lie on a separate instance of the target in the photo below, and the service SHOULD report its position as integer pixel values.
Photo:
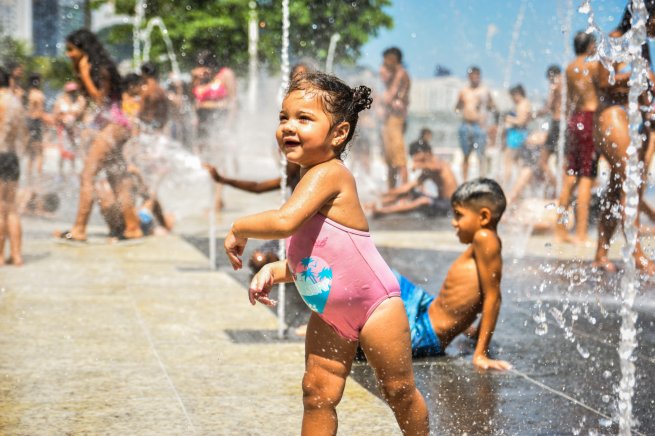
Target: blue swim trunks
(425, 341)
(516, 138)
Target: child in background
(353, 294)
(472, 285)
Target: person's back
(581, 88)
(11, 115)
(441, 174)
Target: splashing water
(609, 51)
(283, 161)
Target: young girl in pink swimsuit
(353, 295)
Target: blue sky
(453, 33)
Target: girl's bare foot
(17, 260)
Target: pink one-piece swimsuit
(339, 274)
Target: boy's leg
(389, 352)
(328, 358)
(403, 206)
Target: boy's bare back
(460, 299)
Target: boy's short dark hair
(518, 89)
(148, 69)
(34, 80)
(581, 42)
(393, 51)
(473, 69)
(553, 70)
(425, 131)
(481, 192)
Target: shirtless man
(473, 103)
(395, 101)
(553, 107)
(154, 101)
(35, 118)
(581, 153)
(410, 196)
(472, 285)
(12, 135)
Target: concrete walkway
(105, 339)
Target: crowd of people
(355, 298)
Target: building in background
(16, 19)
(42, 24)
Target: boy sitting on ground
(472, 285)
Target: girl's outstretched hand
(234, 249)
(260, 286)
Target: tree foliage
(222, 26)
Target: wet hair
(131, 79)
(149, 69)
(340, 102)
(100, 61)
(425, 131)
(581, 42)
(395, 51)
(419, 147)
(34, 80)
(478, 193)
(4, 78)
(517, 89)
(553, 70)
(473, 69)
(207, 58)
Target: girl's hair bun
(361, 99)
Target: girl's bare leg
(328, 359)
(582, 209)
(386, 342)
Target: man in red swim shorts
(582, 156)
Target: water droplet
(607, 374)
(604, 422)
(584, 353)
(606, 398)
(580, 126)
(541, 329)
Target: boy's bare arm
(487, 252)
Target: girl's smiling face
(305, 134)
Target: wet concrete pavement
(146, 339)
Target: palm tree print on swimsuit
(313, 278)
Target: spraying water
(611, 50)
(562, 125)
(329, 63)
(141, 38)
(283, 161)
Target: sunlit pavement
(146, 339)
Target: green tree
(222, 26)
